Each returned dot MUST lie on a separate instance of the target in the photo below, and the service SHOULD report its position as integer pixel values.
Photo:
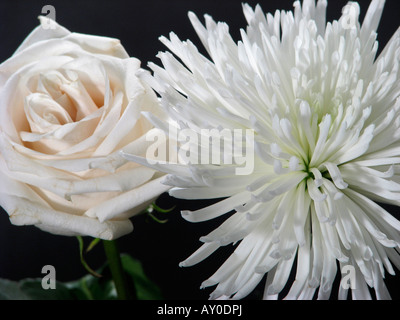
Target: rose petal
(38, 105)
(98, 44)
(11, 120)
(41, 33)
(12, 187)
(62, 137)
(128, 204)
(25, 212)
(115, 160)
(25, 207)
(54, 49)
(122, 74)
(37, 35)
(71, 165)
(123, 180)
(28, 171)
(92, 75)
(109, 163)
(84, 104)
(18, 163)
(108, 230)
(122, 128)
(104, 127)
(70, 132)
(55, 42)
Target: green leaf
(92, 288)
(83, 261)
(152, 216)
(31, 289)
(93, 244)
(10, 290)
(85, 288)
(155, 208)
(159, 209)
(145, 288)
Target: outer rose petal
(25, 212)
(53, 42)
(25, 207)
(140, 197)
(64, 184)
(40, 33)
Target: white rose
(69, 103)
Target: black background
(160, 247)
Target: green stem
(117, 272)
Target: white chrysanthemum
(325, 112)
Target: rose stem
(117, 272)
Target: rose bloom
(69, 103)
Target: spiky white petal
(325, 111)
